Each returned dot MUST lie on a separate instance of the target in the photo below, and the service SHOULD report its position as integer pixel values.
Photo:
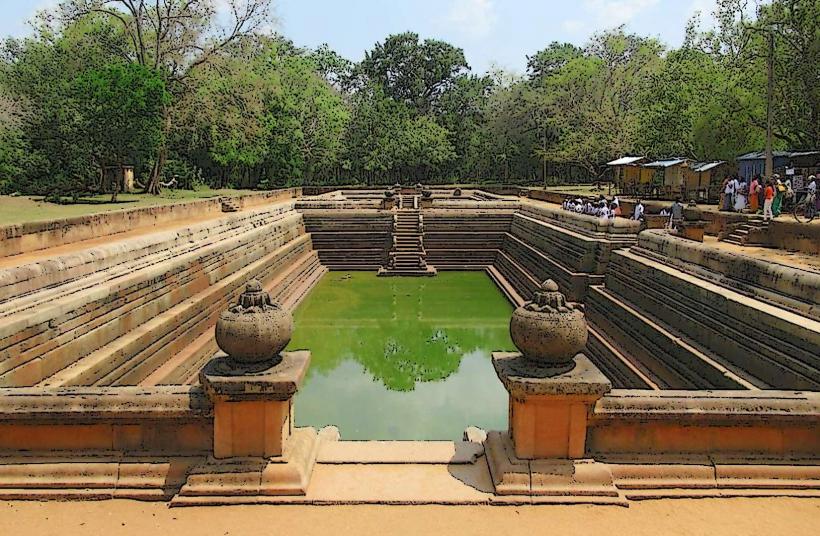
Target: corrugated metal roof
(666, 163)
(761, 155)
(699, 167)
(625, 161)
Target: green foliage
(257, 111)
(413, 72)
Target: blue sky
(491, 32)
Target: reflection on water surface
(402, 358)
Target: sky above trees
(491, 32)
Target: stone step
(668, 359)
(287, 288)
(80, 323)
(168, 332)
(40, 282)
(60, 330)
(780, 353)
(616, 363)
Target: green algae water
(402, 357)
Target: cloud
(616, 12)
(473, 18)
(573, 26)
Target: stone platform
(428, 271)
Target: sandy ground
(713, 517)
(806, 261)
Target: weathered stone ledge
(711, 406)
(33, 236)
(84, 404)
(789, 286)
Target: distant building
(803, 163)
(668, 178)
(627, 173)
(703, 180)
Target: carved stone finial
(255, 329)
(549, 331)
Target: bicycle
(805, 210)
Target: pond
(402, 357)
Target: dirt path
(713, 517)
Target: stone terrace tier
(673, 314)
(124, 313)
(350, 239)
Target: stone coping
(735, 270)
(582, 222)
(223, 381)
(38, 235)
(521, 377)
(102, 403)
(14, 230)
(703, 406)
(143, 245)
(178, 401)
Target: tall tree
(413, 72)
(173, 37)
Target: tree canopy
(173, 88)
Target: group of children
(600, 208)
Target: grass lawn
(22, 209)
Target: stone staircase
(662, 326)
(749, 232)
(408, 202)
(229, 204)
(407, 257)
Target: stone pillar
(548, 414)
(256, 449)
(389, 201)
(253, 408)
(553, 389)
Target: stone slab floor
(714, 517)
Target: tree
(551, 60)
(14, 149)
(173, 37)
(41, 74)
(122, 105)
(461, 113)
(415, 73)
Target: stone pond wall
(140, 310)
(37, 235)
(687, 316)
(349, 239)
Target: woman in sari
(740, 196)
(754, 191)
(780, 193)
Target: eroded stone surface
(522, 377)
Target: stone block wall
(117, 314)
(549, 243)
(464, 239)
(37, 235)
(686, 331)
(350, 239)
